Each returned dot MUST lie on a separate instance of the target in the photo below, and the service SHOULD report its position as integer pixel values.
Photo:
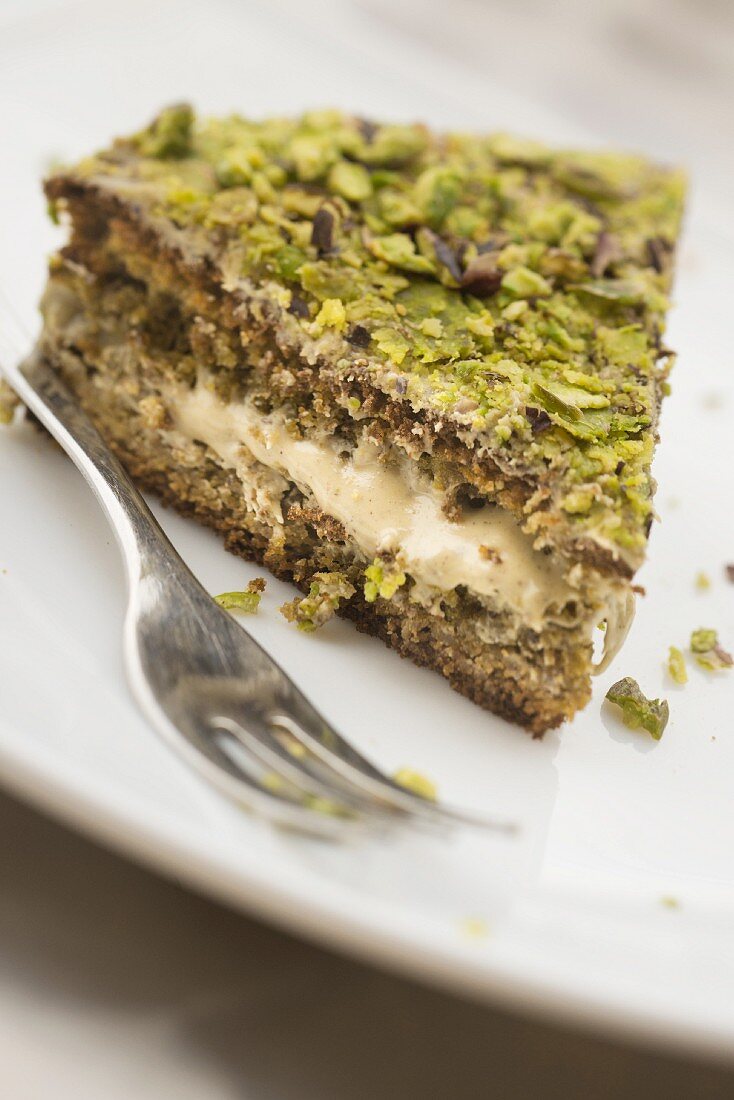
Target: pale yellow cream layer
(385, 507)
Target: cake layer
(535, 679)
(520, 646)
(491, 301)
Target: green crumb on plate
(670, 902)
(475, 928)
(326, 592)
(703, 581)
(417, 783)
(708, 653)
(677, 665)
(325, 806)
(245, 602)
(639, 712)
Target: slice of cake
(427, 368)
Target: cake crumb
(417, 783)
(475, 928)
(245, 602)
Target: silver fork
(204, 683)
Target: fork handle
(142, 541)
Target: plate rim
(302, 915)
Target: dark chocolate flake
(729, 569)
(445, 254)
(448, 258)
(367, 129)
(658, 252)
(607, 251)
(322, 234)
(299, 307)
(539, 419)
(359, 337)
(482, 276)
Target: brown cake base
(535, 680)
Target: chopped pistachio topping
(677, 666)
(708, 653)
(524, 283)
(325, 593)
(639, 712)
(417, 783)
(383, 579)
(245, 602)
(169, 135)
(703, 581)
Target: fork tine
(245, 779)
(316, 782)
(260, 710)
(344, 760)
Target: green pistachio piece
(516, 150)
(521, 282)
(170, 134)
(398, 250)
(393, 145)
(351, 181)
(578, 501)
(327, 280)
(677, 665)
(289, 261)
(246, 602)
(610, 290)
(297, 200)
(709, 654)
(417, 783)
(639, 712)
(392, 344)
(383, 578)
(325, 594)
(436, 192)
(397, 208)
(313, 155)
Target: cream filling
(384, 506)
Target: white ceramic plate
(578, 913)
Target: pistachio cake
(417, 373)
